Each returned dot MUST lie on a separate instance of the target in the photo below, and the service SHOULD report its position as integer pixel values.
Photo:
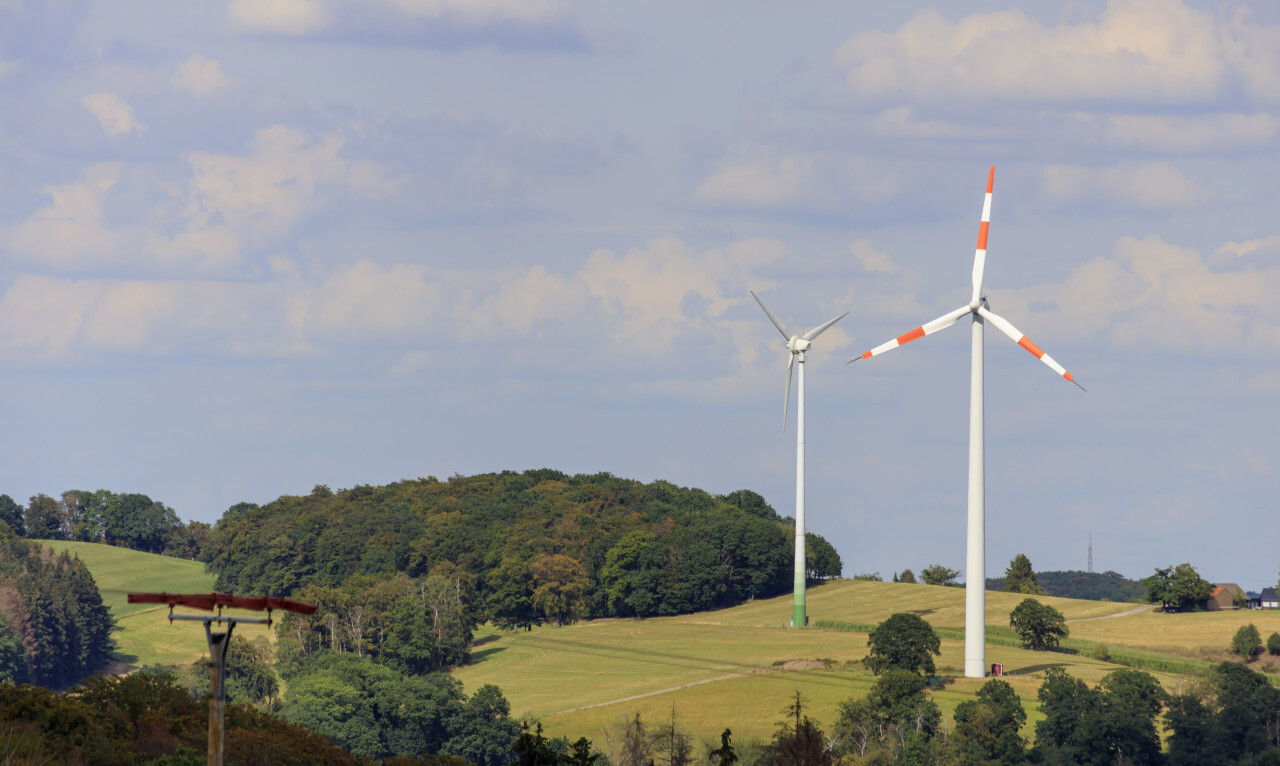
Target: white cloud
(1132, 185)
(305, 17)
(1254, 51)
(1151, 51)
(1241, 249)
(482, 10)
(200, 77)
(873, 260)
(644, 301)
(769, 178)
(72, 231)
(281, 17)
(1151, 295)
(114, 115)
(1179, 134)
(230, 204)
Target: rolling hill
(731, 667)
(737, 667)
(145, 636)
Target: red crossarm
(207, 601)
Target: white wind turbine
(796, 346)
(975, 563)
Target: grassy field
(145, 636)
(737, 667)
(734, 667)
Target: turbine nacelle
(796, 345)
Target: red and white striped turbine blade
(944, 321)
(980, 255)
(1004, 326)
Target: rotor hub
(797, 345)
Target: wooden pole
(218, 643)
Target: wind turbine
(975, 564)
(796, 346)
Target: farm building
(1224, 595)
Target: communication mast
(1090, 552)
(219, 641)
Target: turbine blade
(815, 332)
(980, 255)
(1004, 326)
(776, 322)
(786, 399)
(944, 321)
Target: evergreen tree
(1021, 578)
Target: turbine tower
(796, 346)
(975, 559)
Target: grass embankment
(145, 636)
(737, 667)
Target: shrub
(1273, 643)
(1247, 642)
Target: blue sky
(248, 247)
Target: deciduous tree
(1247, 642)
(903, 642)
(1177, 589)
(1039, 625)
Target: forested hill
(538, 545)
(1105, 586)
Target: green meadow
(734, 667)
(145, 636)
(739, 667)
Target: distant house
(1269, 599)
(1252, 600)
(1223, 596)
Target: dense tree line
(54, 628)
(128, 520)
(145, 718)
(539, 546)
(1094, 586)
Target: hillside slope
(737, 667)
(145, 636)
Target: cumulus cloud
(230, 204)
(307, 17)
(762, 178)
(646, 301)
(281, 17)
(1185, 133)
(1149, 51)
(200, 77)
(1131, 185)
(873, 260)
(114, 115)
(1153, 295)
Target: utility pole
(219, 641)
(1090, 551)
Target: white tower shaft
(799, 615)
(975, 602)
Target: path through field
(1125, 613)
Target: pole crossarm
(209, 601)
(220, 641)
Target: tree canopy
(1177, 589)
(937, 574)
(1021, 578)
(1039, 625)
(902, 642)
(540, 545)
